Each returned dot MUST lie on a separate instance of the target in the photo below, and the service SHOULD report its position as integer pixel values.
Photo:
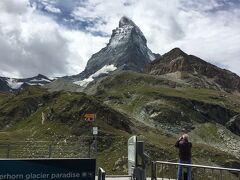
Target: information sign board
(55, 169)
(131, 154)
(95, 130)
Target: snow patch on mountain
(38, 80)
(35, 84)
(151, 55)
(13, 83)
(104, 70)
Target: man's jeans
(179, 172)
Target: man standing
(184, 147)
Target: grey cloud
(13, 6)
(33, 42)
(47, 57)
(28, 48)
(35, 56)
(210, 6)
(176, 32)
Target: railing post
(99, 174)
(89, 148)
(162, 169)
(154, 171)
(8, 150)
(212, 174)
(50, 151)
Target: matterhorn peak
(127, 32)
(126, 21)
(127, 50)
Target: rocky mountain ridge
(14, 84)
(198, 72)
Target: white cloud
(52, 9)
(81, 47)
(31, 43)
(14, 6)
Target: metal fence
(168, 170)
(82, 149)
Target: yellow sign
(90, 117)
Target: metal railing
(45, 150)
(168, 170)
(117, 177)
(74, 147)
(102, 175)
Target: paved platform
(130, 179)
(127, 178)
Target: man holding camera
(184, 147)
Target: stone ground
(127, 178)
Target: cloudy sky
(57, 37)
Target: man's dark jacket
(184, 149)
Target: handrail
(235, 172)
(113, 176)
(200, 166)
(119, 176)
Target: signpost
(95, 133)
(56, 169)
(91, 117)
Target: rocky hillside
(176, 105)
(57, 107)
(4, 85)
(178, 65)
(174, 108)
